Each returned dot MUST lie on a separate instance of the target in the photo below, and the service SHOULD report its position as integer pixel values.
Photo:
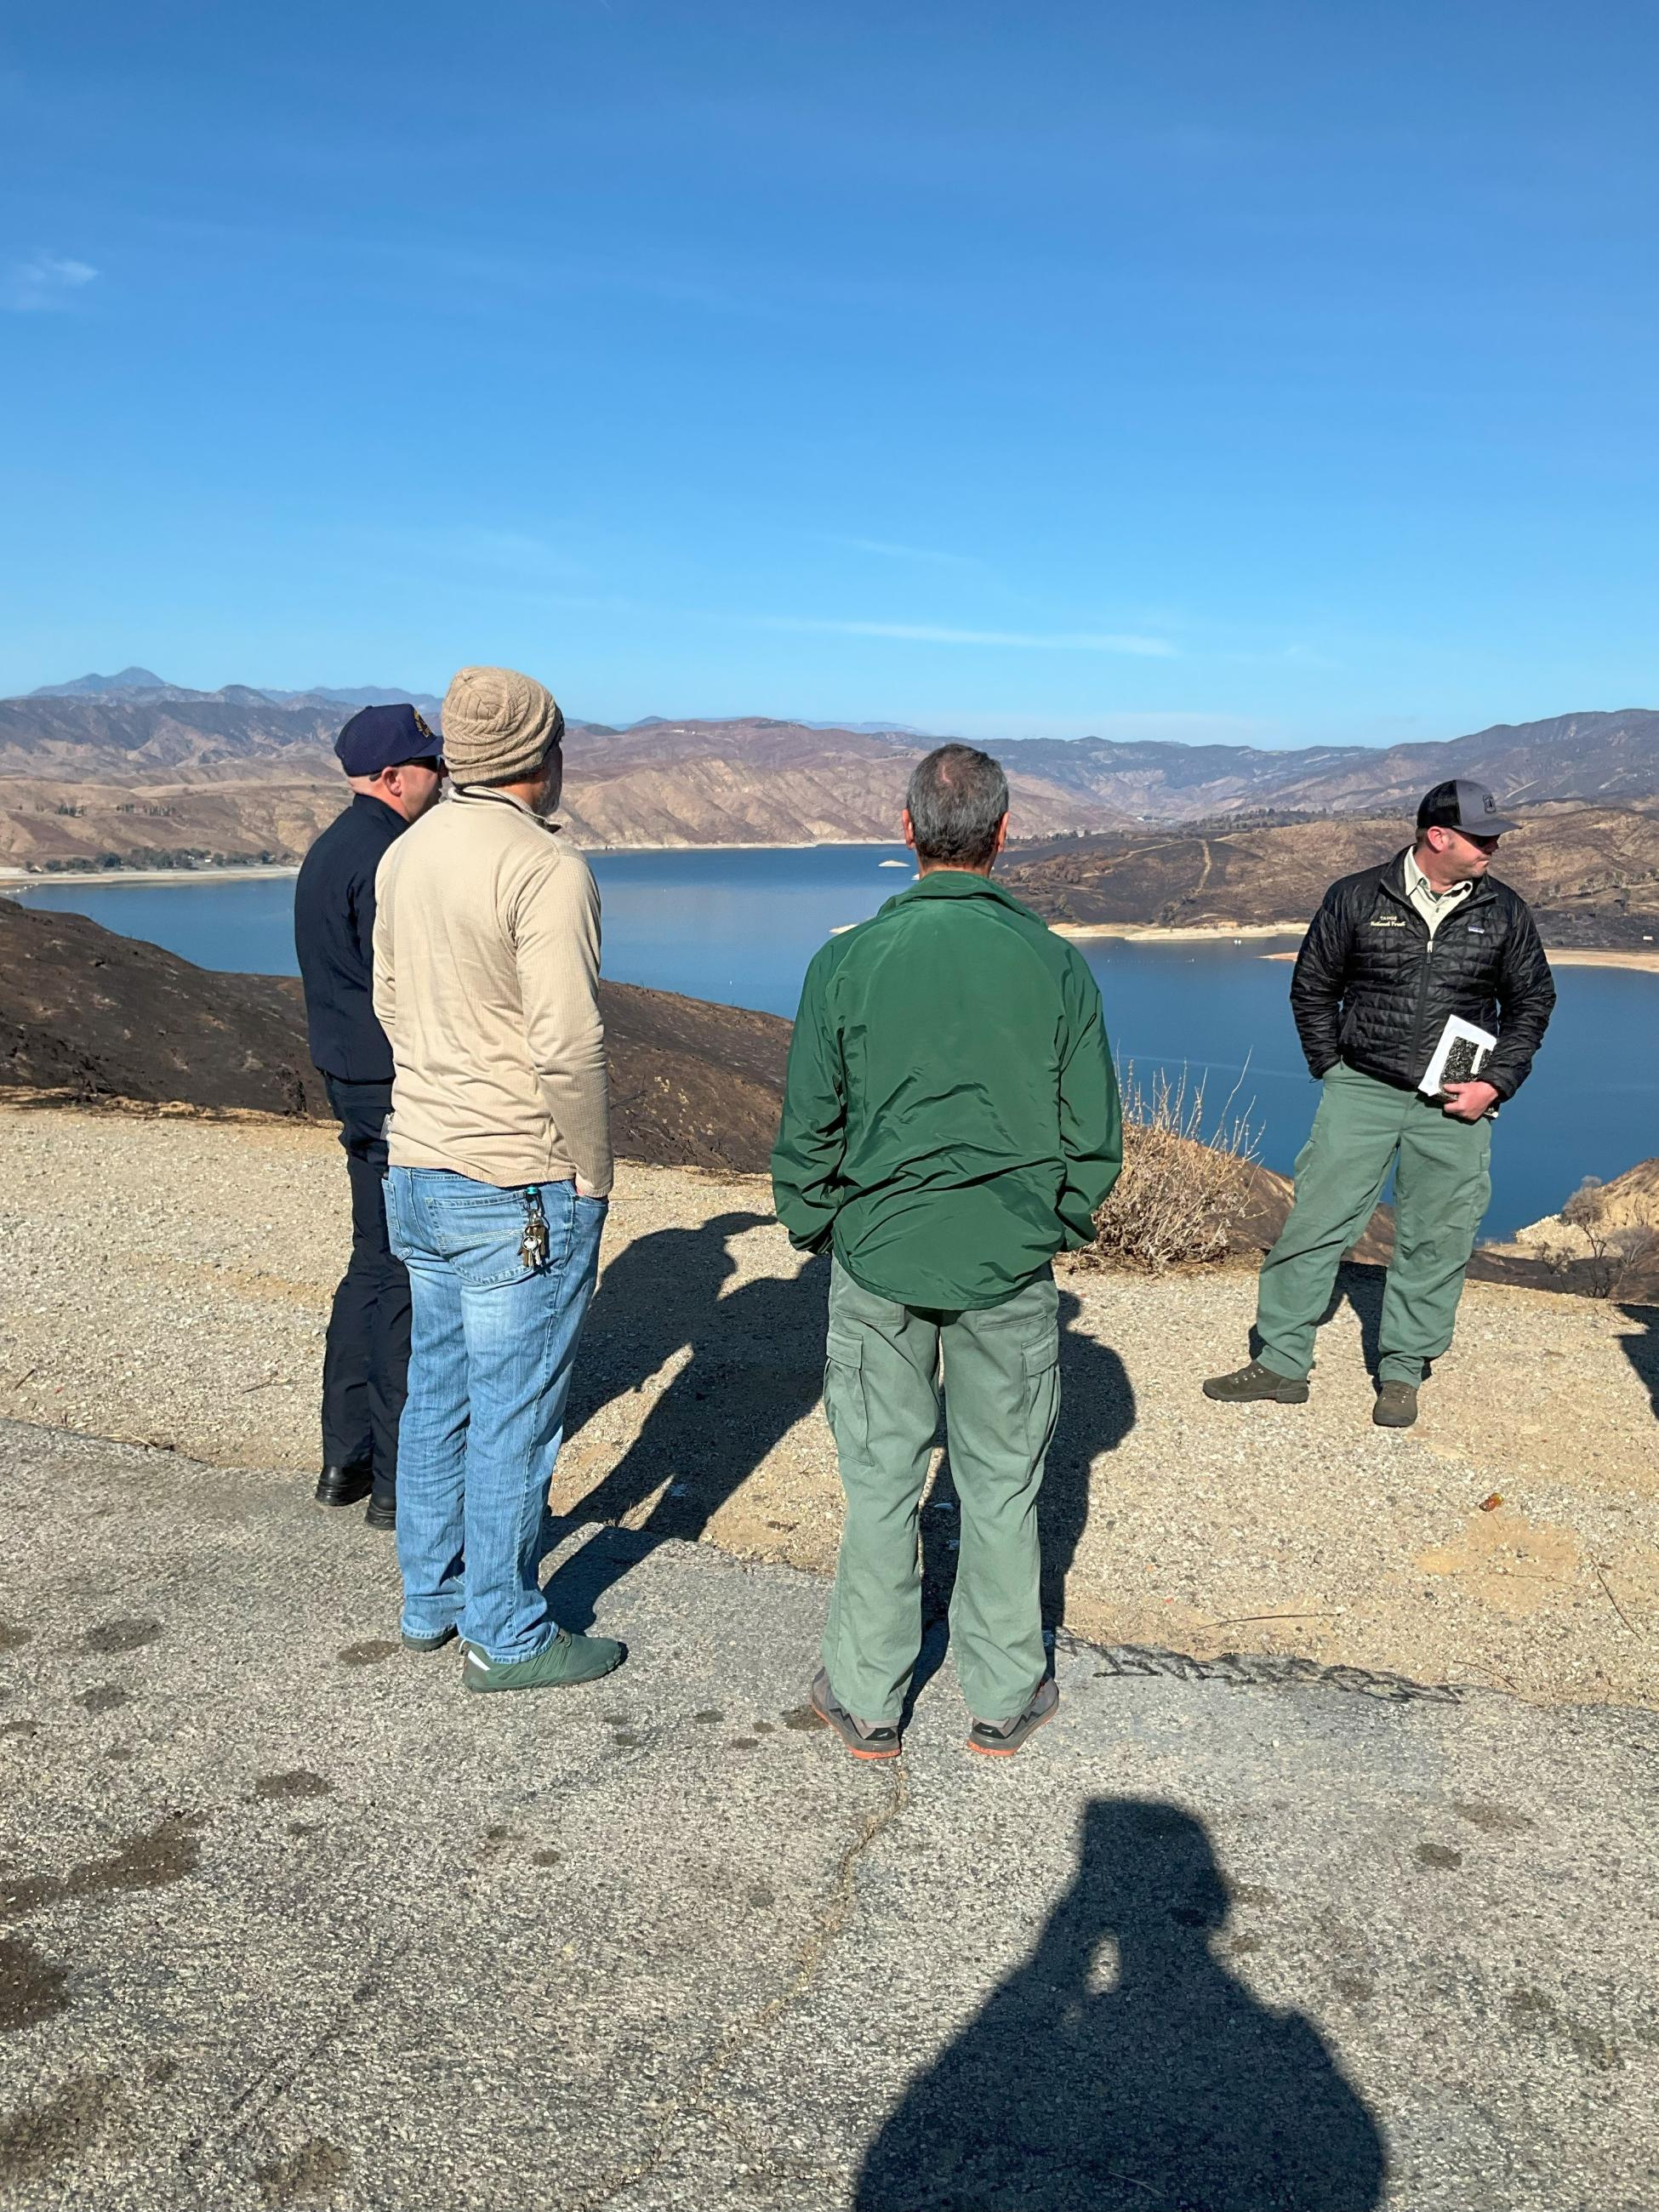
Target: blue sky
(1271, 372)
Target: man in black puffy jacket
(1392, 955)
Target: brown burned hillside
(168, 778)
(1591, 873)
(90, 1015)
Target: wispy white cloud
(45, 282)
(887, 550)
(1083, 640)
(1066, 641)
(1173, 726)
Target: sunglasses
(433, 763)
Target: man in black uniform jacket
(1393, 954)
(392, 763)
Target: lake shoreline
(255, 871)
(1206, 933)
(26, 880)
(1131, 933)
(1574, 955)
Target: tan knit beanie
(498, 725)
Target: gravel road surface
(287, 1918)
(166, 1281)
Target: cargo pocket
(1041, 1363)
(846, 1407)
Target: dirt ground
(166, 1280)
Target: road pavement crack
(831, 1921)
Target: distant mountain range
(128, 767)
(141, 683)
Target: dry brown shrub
(1181, 1190)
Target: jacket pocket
(845, 1402)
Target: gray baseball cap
(1458, 804)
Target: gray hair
(956, 798)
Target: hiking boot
(1253, 1381)
(1002, 1739)
(1397, 1405)
(864, 1739)
(559, 1665)
(430, 1642)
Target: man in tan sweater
(486, 977)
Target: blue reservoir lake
(740, 925)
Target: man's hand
(1468, 1102)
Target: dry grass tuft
(1181, 1190)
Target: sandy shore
(1142, 933)
(36, 879)
(16, 879)
(187, 1308)
(1577, 957)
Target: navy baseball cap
(1457, 804)
(385, 737)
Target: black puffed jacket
(1373, 989)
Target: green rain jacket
(950, 1119)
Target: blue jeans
(490, 1356)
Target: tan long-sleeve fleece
(486, 981)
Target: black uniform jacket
(334, 937)
(1373, 988)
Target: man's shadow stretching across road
(1165, 2084)
(756, 1367)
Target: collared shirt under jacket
(334, 937)
(950, 1119)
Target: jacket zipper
(1427, 967)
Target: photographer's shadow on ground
(1123, 2067)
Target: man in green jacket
(951, 1122)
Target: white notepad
(1463, 1050)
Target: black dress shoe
(343, 1485)
(382, 1510)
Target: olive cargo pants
(881, 1393)
(1442, 1184)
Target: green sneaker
(559, 1665)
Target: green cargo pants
(881, 1392)
(1442, 1184)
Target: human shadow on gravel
(1361, 1287)
(1359, 1284)
(1642, 1351)
(1124, 2067)
(756, 1367)
(1097, 1413)
(658, 1294)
